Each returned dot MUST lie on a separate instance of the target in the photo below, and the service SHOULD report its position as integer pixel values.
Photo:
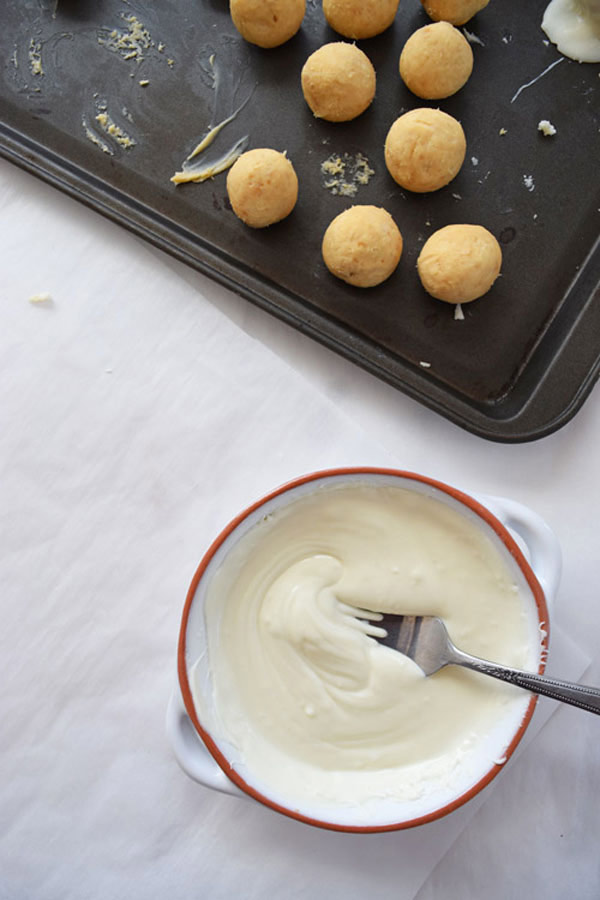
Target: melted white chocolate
(313, 706)
(574, 26)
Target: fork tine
(368, 614)
(363, 620)
(371, 630)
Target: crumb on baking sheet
(502, 132)
(110, 127)
(133, 42)
(546, 127)
(129, 44)
(472, 38)
(363, 170)
(35, 57)
(458, 313)
(344, 174)
(37, 299)
(333, 166)
(95, 138)
(425, 365)
(529, 182)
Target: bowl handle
(540, 541)
(190, 752)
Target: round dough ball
(459, 263)
(362, 246)
(436, 61)
(267, 23)
(457, 12)
(425, 149)
(338, 82)
(262, 187)
(358, 19)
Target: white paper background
(136, 419)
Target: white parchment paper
(135, 421)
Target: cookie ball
(267, 23)
(358, 19)
(459, 263)
(262, 187)
(362, 246)
(436, 61)
(425, 149)
(338, 82)
(457, 12)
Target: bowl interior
(383, 813)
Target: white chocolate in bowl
(315, 714)
(574, 26)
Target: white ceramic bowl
(532, 555)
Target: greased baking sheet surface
(106, 100)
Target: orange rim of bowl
(326, 474)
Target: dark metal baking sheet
(525, 357)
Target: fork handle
(587, 698)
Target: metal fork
(425, 640)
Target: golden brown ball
(436, 61)
(267, 23)
(362, 246)
(262, 187)
(457, 12)
(358, 19)
(338, 82)
(425, 149)
(459, 263)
